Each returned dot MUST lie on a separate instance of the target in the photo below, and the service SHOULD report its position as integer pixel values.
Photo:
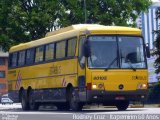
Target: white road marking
(17, 110)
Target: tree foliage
(107, 12)
(26, 20)
(154, 94)
(157, 45)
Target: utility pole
(85, 12)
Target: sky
(155, 0)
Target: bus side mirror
(86, 49)
(148, 52)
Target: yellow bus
(80, 64)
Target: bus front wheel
(73, 102)
(122, 105)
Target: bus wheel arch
(29, 88)
(28, 91)
(72, 100)
(69, 86)
(24, 100)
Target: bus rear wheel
(122, 105)
(73, 102)
(32, 104)
(24, 101)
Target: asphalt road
(14, 112)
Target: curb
(145, 106)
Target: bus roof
(73, 31)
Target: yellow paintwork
(59, 73)
(117, 77)
(50, 75)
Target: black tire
(32, 104)
(24, 101)
(73, 102)
(123, 105)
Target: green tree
(157, 45)
(26, 20)
(5, 28)
(154, 94)
(106, 12)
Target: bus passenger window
(60, 49)
(21, 59)
(39, 54)
(30, 56)
(71, 47)
(14, 60)
(49, 55)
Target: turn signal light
(89, 86)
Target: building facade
(3, 72)
(148, 23)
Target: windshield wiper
(129, 63)
(111, 64)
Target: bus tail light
(89, 86)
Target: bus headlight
(94, 86)
(142, 86)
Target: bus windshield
(116, 52)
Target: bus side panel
(47, 80)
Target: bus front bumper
(104, 96)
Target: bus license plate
(120, 98)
